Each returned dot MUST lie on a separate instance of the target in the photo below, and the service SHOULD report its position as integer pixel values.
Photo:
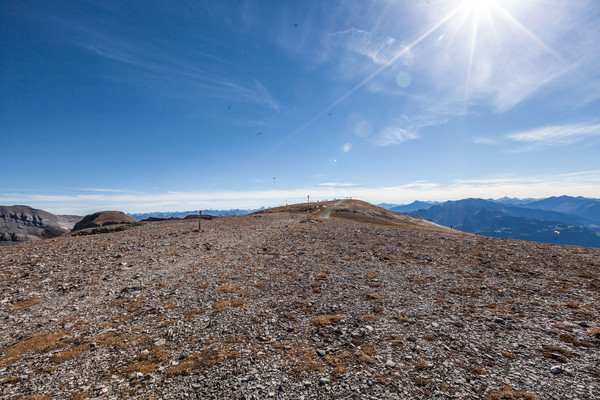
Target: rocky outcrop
(103, 219)
(25, 224)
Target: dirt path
(327, 212)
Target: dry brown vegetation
(362, 303)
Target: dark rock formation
(25, 224)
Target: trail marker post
(199, 220)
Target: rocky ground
(272, 306)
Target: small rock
(324, 381)
(557, 369)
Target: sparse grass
(26, 303)
(507, 354)
(507, 393)
(555, 353)
(477, 369)
(372, 275)
(366, 359)
(321, 277)
(400, 319)
(595, 332)
(229, 288)
(573, 340)
(374, 296)
(190, 315)
(560, 325)
(370, 318)
(204, 360)
(291, 316)
(39, 342)
(70, 354)
(323, 320)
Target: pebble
(557, 369)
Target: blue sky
(153, 105)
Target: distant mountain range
(576, 218)
(183, 214)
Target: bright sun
(479, 5)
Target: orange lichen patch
(229, 288)
(327, 319)
(370, 318)
(38, 342)
(400, 319)
(374, 296)
(26, 303)
(204, 360)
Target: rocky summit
(25, 224)
(332, 300)
(103, 218)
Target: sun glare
(480, 5)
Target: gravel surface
(274, 305)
